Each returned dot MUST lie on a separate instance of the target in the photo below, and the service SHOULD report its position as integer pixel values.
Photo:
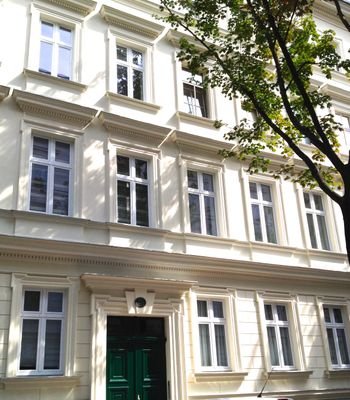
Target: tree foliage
(266, 52)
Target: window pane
(29, 345)
(40, 148)
(270, 225)
(204, 343)
(55, 302)
(202, 309)
(332, 349)
(142, 205)
(137, 84)
(268, 312)
(192, 179)
(337, 315)
(286, 348)
(310, 222)
(31, 300)
(121, 53)
(200, 103)
(218, 309)
(64, 63)
(220, 345)
(45, 63)
(65, 36)
(343, 348)
(137, 58)
(141, 169)
(210, 220)
(208, 183)
(266, 193)
(323, 232)
(38, 190)
(52, 344)
(271, 335)
(327, 316)
(123, 202)
(61, 191)
(46, 29)
(195, 216)
(123, 167)
(282, 313)
(253, 190)
(257, 222)
(62, 152)
(122, 80)
(318, 202)
(307, 200)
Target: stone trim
(35, 382)
(83, 7)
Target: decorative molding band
(4, 92)
(123, 20)
(53, 109)
(35, 382)
(83, 7)
(55, 80)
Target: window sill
(214, 376)
(338, 373)
(282, 374)
(195, 119)
(129, 101)
(55, 80)
(28, 382)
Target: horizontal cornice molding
(4, 92)
(129, 22)
(53, 109)
(83, 7)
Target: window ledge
(282, 374)
(338, 373)
(129, 101)
(28, 382)
(213, 376)
(195, 119)
(55, 80)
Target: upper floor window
(316, 220)
(344, 121)
(195, 96)
(130, 72)
(336, 334)
(277, 326)
(212, 337)
(201, 198)
(262, 212)
(132, 191)
(51, 168)
(42, 324)
(56, 47)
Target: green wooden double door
(136, 367)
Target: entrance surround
(113, 295)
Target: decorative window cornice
(131, 23)
(4, 92)
(83, 7)
(48, 108)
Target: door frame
(110, 296)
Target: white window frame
(133, 181)
(68, 285)
(202, 194)
(51, 165)
(314, 213)
(261, 203)
(196, 85)
(64, 18)
(42, 317)
(344, 306)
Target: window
(336, 334)
(56, 45)
(344, 121)
(212, 338)
(130, 72)
(201, 200)
(132, 191)
(42, 324)
(316, 221)
(277, 327)
(195, 97)
(262, 212)
(50, 176)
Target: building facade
(135, 262)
